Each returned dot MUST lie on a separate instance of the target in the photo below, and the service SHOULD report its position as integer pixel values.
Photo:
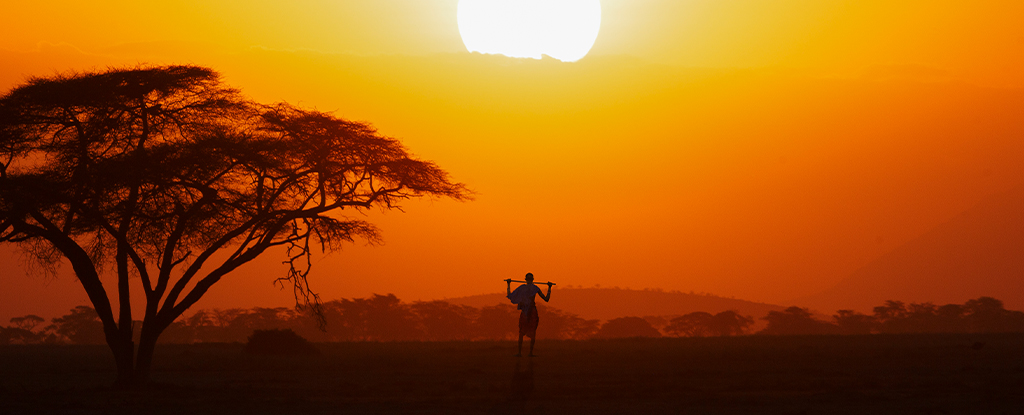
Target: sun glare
(562, 29)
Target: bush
(796, 321)
(279, 342)
(627, 327)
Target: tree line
(980, 315)
(376, 318)
(387, 318)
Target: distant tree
(899, 317)
(23, 330)
(658, 322)
(695, 324)
(731, 323)
(29, 322)
(702, 324)
(560, 324)
(795, 321)
(263, 318)
(81, 326)
(232, 325)
(179, 333)
(443, 321)
(626, 327)
(987, 315)
(202, 326)
(922, 318)
(339, 325)
(984, 314)
(891, 317)
(852, 322)
(950, 318)
(10, 335)
(304, 322)
(497, 322)
(379, 318)
(164, 177)
(891, 310)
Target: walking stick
(538, 283)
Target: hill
(609, 303)
(980, 252)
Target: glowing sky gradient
(758, 149)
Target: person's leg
(532, 341)
(520, 352)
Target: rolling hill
(609, 303)
(980, 252)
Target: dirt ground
(902, 374)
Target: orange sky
(762, 150)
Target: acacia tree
(165, 177)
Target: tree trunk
(124, 351)
(144, 361)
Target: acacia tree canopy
(168, 175)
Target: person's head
(529, 277)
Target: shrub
(627, 327)
(279, 342)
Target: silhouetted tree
(380, 318)
(174, 180)
(695, 324)
(892, 317)
(262, 318)
(23, 330)
(702, 324)
(442, 321)
(339, 328)
(852, 322)
(921, 318)
(179, 332)
(897, 317)
(951, 318)
(14, 335)
(558, 324)
(626, 327)
(981, 315)
(497, 322)
(81, 326)
(795, 320)
(987, 315)
(386, 318)
(658, 322)
(29, 322)
(731, 323)
(202, 326)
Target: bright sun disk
(562, 29)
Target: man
(524, 296)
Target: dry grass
(903, 374)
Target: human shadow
(522, 384)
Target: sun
(562, 29)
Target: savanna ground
(879, 374)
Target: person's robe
(524, 297)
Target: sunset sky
(762, 150)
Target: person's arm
(546, 298)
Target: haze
(750, 149)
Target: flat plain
(877, 374)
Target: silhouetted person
(524, 297)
